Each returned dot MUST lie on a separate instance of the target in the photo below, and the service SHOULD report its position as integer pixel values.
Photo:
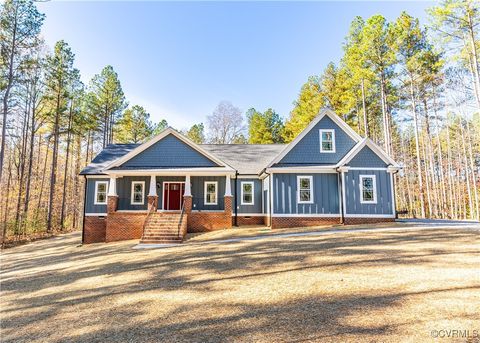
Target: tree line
(413, 89)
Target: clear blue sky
(178, 60)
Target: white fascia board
(158, 138)
(323, 112)
(313, 169)
(221, 171)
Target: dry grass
(342, 287)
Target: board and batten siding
(307, 150)
(257, 196)
(352, 193)
(325, 194)
(90, 206)
(170, 152)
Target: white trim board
(205, 185)
(96, 214)
(132, 187)
(241, 193)
(334, 148)
(324, 112)
(306, 215)
(95, 202)
(158, 138)
(350, 215)
(250, 214)
(360, 184)
(310, 189)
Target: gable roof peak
(165, 132)
(325, 111)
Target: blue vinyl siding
(352, 193)
(90, 206)
(325, 194)
(368, 159)
(169, 152)
(198, 193)
(307, 150)
(257, 196)
(124, 192)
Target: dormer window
(327, 140)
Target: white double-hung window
(247, 193)
(138, 193)
(368, 189)
(101, 188)
(327, 140)
(211, 193)
(305, 189)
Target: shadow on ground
(348, 286)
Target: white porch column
(188, 190)
(112, 187)
(228, 186)
(153, 186)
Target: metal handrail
(181, 218)
(149, 213)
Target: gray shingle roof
(109, 154)
(245, 158)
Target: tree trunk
(417, 149)
(53, 172)
(364, 106)
(64, 195)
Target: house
(160, 190)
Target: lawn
(380, 286)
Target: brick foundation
(287, 222)
(249, 220)
(94, 229)
(123, 226)
(208, 221)
(353, 221)
(152, 201)
(112, 203)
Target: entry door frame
(163, 194)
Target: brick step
(163, 237)
(160, 227)
(160, 231)
(169, 234)
(163, 224)
(160, 241)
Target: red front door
(172, 196)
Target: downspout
(340, 201)
(84, 208)
(235, 199)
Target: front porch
(164, 207)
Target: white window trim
(205, 193)
(332, 131)
(253, 193)
(374, 178)
(95, 202)
(132, 202)
(299, 177)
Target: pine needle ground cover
(396, 286)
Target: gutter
(84, 208)
(235, 199)
(340, 201)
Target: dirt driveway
(411, 284)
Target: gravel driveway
(385, 286)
